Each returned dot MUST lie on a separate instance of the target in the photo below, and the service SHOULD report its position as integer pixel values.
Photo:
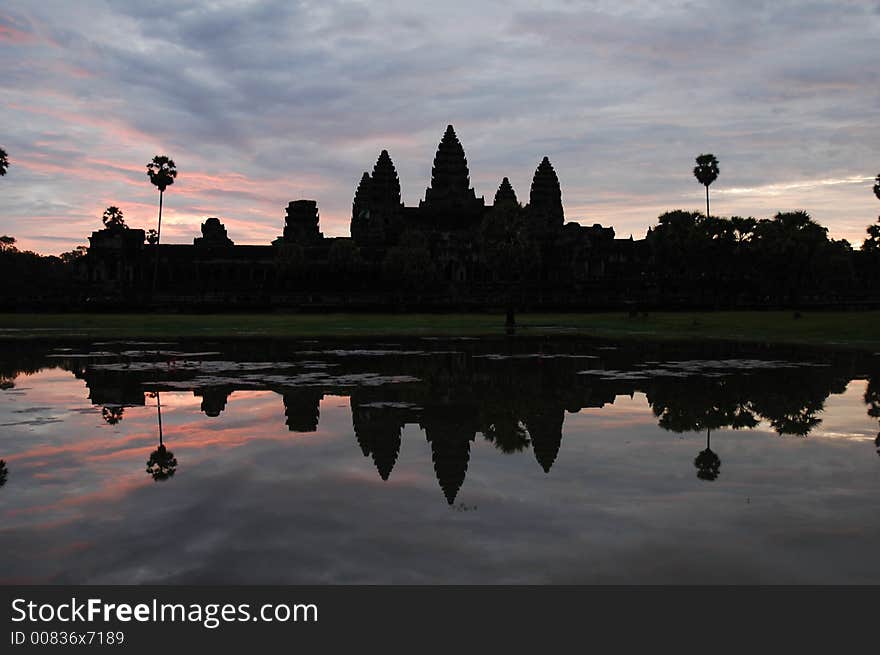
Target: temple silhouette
(452, 249)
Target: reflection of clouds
(837, 420)
(253, 502)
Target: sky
(261, 103)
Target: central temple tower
(450, 199)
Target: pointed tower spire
(505, 194)
(450, 189)
(385, 187)
(360, 208)
(450, 172)
(545, 197)
(362, 195)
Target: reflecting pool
(508, 460)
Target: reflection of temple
(378, 434)
(450, 432)
(545, 431)
(302, 408)
(214, 399)
(451, 248)
(515, 393)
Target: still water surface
(521, 460)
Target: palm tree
(161, 172)
(113, 218)
(876, 186)
(706, 171)
(4, 162)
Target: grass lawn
(854, 329)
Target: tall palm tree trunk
(159, 410)
(707, 202)
(158, 237)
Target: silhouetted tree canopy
(113, 218)
(872, 243)
(162, 172)
(4, 162)
(38, 280)
(72, 255)
(706, 171)
(708, 465)
(162, 464)
(112, 415)
(507, 433)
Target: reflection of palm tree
(707, 462)
(697, 404)
(162, 463)
(112, 415)
(507, 433)
(3, 472)
(799, 422)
